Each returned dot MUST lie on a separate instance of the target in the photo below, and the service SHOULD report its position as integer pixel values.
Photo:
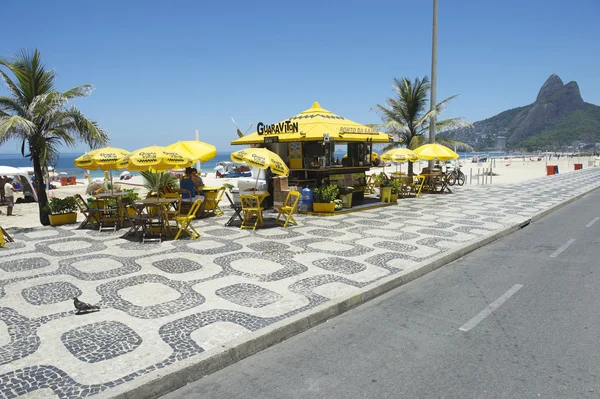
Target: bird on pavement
(83, 307)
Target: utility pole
(432, 101)
(198, 165)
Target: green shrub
(325, 194)
(57, 206)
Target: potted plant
(130, 193)
(396, 187)
(323, 198)
(62, 211)
(346, 196)
(385, 190)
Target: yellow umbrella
(435, 151)
(107, 158)
(314, 124)
(195, 150)
(157, 158)
(262, 159)
(400, 155)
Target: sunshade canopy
(195, 150)
(400, 155)
(261, 158)
(156, 158)
(107, 158)
(435, 151)
(313, 125)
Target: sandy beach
(506, 171)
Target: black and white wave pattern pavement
(163, 303)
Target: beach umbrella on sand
(195, 150)
(107, 159)
(435, 151)
(261, 158)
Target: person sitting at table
(187, 187)
(197, 182)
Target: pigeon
(83, 307)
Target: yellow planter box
(393, 197)
(386, 194)
(323, 207)
(64, 218)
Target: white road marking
(491, 307)
(592, 222)
(561, 249)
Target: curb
(196, 367)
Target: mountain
(556, 119)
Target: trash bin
(550, 170)
(555, 169)
(578, 166)
(346, 200)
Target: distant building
(576, 144)
(500, 142)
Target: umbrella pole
(111, 184)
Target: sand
(506, 171)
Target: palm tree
(407, 116)
(37, 115)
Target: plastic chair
(92, 216)
(290, 205)
(251, 208)
(184, 222)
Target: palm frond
(79, 91)
(88, 130)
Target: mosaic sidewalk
(164, 303)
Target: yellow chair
(171, 213)
(288, 208)
(184, 222)
(4, 237)
(251, 208)
(417, 184)
(370, 184)
(212, 203)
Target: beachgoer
(187, 187)
(197, 181)
(2, 183)
(9, 194)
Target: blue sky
(162, 69)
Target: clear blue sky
(162, 69)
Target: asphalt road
(519, 318)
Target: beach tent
(22, 177)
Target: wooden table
(433, 180)
(259, 196)
(160, 204)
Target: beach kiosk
(307, 142)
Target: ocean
(65, 164)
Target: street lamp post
(432, 101)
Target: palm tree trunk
(40, 188)
(410, 169)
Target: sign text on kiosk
(281, 127)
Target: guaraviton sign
(281, 127)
